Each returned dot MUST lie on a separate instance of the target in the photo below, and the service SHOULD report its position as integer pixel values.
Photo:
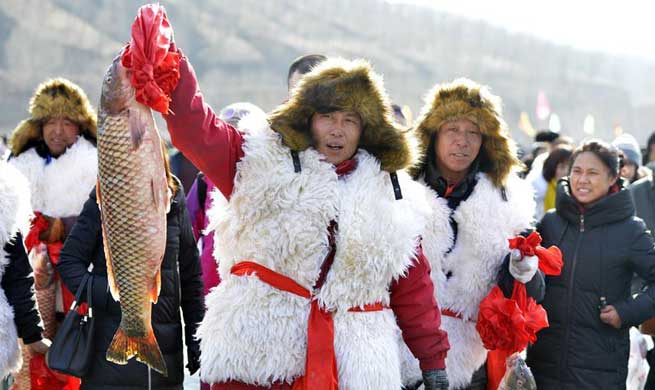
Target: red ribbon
(150, 57)
(510, 324)
(550, 260)
(321, 363)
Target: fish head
(518, 375)
(117, 92)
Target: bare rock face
(241, 51)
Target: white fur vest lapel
(484, 224)
(60, 188)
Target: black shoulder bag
(71, 350)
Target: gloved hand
(522, 268)
(435, 380)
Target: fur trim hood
(55, 97)
(339, 84)
(466, 99)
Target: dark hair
(546, 135)
(605, 152)
(649, 145)
(559, 155)
(304, 64)
(651, 139)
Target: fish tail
(146, 350)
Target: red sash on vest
(450, 313)
(321, 362)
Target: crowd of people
(332, 243)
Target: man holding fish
(321, 263)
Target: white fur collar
(59, 189)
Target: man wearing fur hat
(55, 150)
(478, 203)
(18, 313)
(318, 239)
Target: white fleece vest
(485, 222)
(278, 218)
(59, 189)
(14, 217)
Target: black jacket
(181, 286)
(602, 246)
(643, 194)
(18, 285)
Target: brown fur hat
(55, 97)
(466, 99)
(339, 84)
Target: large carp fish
(133, 197)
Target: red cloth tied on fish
(150, 57)
(507, 325)
(40, 224)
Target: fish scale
(133, 198)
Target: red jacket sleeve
(211, 144)
(418, 315)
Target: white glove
(522, 268)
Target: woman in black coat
(181, 287)
(590, 308)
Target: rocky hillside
(241, 50)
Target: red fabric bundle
(507, 325)
(40, 224)
(43, 378)
(150, 58)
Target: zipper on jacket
(569, 301)
(582, 223)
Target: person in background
(649, 155)
(55, 148)
(478, 201)
(181, 288)
(183, 169)
(643, 196)
(301, 66)
(19, 317)
(631, 168)
(554, 168)
(590, 306)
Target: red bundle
(150, 58)
(507, 325)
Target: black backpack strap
(503, 193)
(296, 161)
(396, 185)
